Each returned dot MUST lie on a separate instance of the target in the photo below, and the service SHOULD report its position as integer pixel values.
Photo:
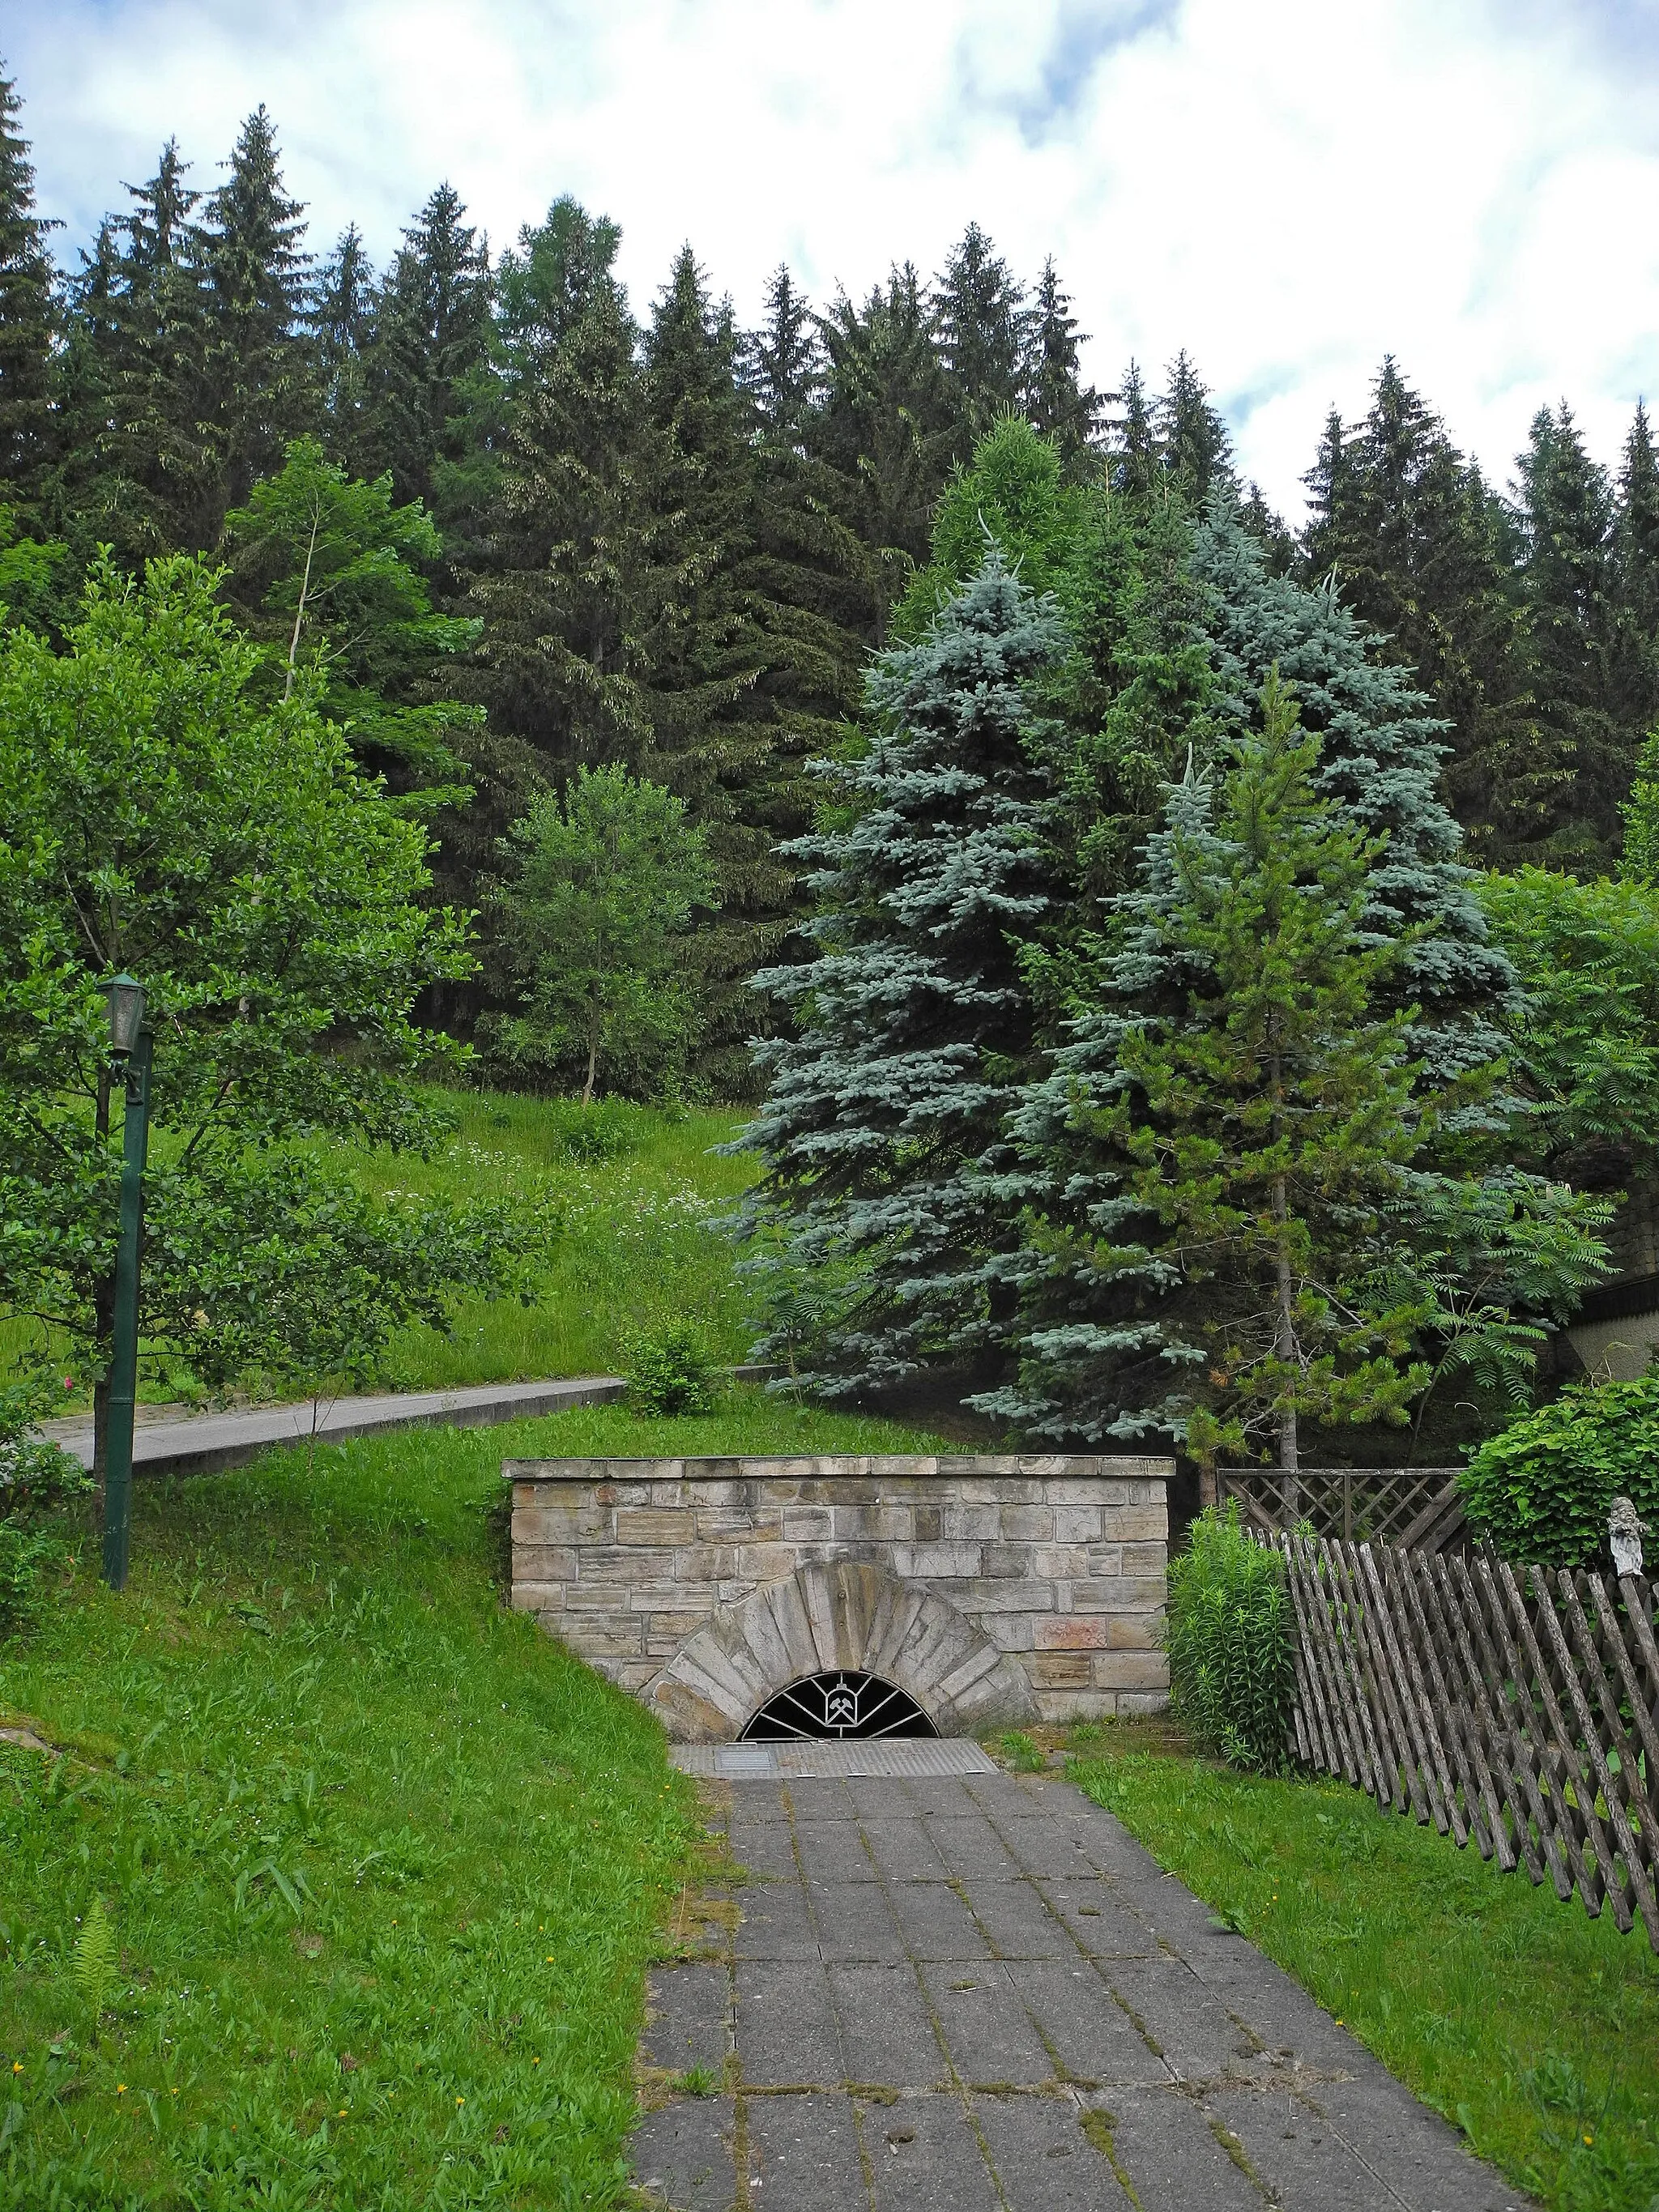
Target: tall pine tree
(1055, 397)
(1567, 522)
(259, 379)
(981, 326)
(1420, 549)
(28, 319)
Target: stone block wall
(992, 1587)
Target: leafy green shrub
(602, 1131)
(669, 1369)
(1541, 1490)
(39, 1486)
(1228, 1635)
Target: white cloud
(1287, 188)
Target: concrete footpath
(972, 1992)
(167, 1442)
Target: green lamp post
(131, 1041)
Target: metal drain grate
(775, 1762)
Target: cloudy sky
(1288, 188)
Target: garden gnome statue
(1625, 1534)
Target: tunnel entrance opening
(839, 1703)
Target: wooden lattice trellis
(1419, 1508)
(1519, 1707)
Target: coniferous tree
(1219, 1152)
(1134, 466)
(1635, 702)
(258, 374)
(1567, 526)
(781, 365)
(143, 470)
(560, 268)
(981, 327)
(1419, 549)
(431, 335)
(1056, 399)
(889, 424)
(343, 326)
(1382, 746)
(1194, 447)
(28, 318)
(882, 1122)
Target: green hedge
(1227, 1632)
(1541, 1489)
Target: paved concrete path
(979, 1994)
(167, 1442)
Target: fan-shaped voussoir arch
(842, 1616)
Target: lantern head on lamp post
(130, 1043)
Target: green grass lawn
(638, 1239)
(1534, 2026)
(384, 1865)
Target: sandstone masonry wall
(1054, 1564)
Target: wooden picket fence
(1519, 1707)
(1419, 1508)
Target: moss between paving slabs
(384, 1864)
(1534, 2026)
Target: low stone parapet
(994, 1589)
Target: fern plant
(96, 1958)
(1227, 1632)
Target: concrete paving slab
(785, 2025)
(904, 1851)
(683, 2155)
(833, 1851)
(1016, 1920)
(972, 1846)
(988, 2031)
(1172, 2159)
(1196, 2036)
(775, 1924)
(766, 1848)
(853, 1922)
(1296, 2156)
(1090, 2035)
(887, 2034)
(818, 1798)
(1098, 1923)
(1043, 2160)
(688, 2007)
(924, 2157)
(801, 2152)
(935, 1924)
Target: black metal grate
(841, 1703)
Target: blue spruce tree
(882, 1129)
(1382, 745)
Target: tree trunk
(592, 1063)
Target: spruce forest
(1186, 975)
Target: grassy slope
(638, 1240)
(340, 1806)
(1533, 2025)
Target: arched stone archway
(831, 1615)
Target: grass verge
(1533, 2027)
(382, 1864)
